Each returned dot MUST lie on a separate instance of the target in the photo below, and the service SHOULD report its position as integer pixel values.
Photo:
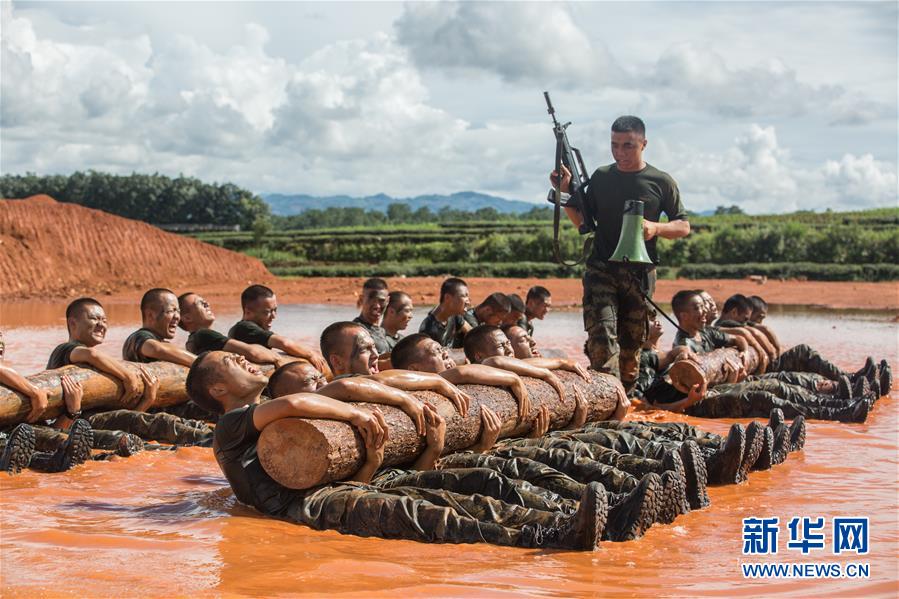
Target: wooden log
(709, 366)
(100, 390)
(301, 453)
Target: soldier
(615, 312)
(160, 316)
(260, 307)
(372, 303)
(537, 303)
(446, 323)
(397, 317)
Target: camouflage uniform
(616, 318)
(151, 427)
(803, 358)
(806, 380)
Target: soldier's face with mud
(373, 304)
(167, 316)
(521, 342)
(359, 355)
(235, 377)
(89, 325)
(433, 357)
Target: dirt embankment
(52, 249)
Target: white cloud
(762, 177)
(521, 42)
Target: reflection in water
(165, 523)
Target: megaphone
(631, 248)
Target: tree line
(156, 199)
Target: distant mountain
(285, 205)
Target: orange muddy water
(166, 523)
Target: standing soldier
(615, 313)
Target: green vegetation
(860, 246)
(155, 199)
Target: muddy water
(164, 523)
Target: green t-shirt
(607, 192)
(526, 324)
(131, 350)
(447, 334)
(710, 338)
(392, 340)
(205, 340)
(250, 332)
(61, 356)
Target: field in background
(847, 246)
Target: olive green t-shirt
(131, 349)
(377, 333)
(710, 338)
(607, 192)
(205, 340)
(250, 332)
(61, 356)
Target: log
(709, 366)
(301, 453)
(100, 390)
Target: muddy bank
(566, 292)
(55, 250)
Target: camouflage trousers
(659, 431)
(420, 514)
(48, 439)
(786, 391)
(806, 380)
(167, 428)
(188, 410)
(616, 318)
(755, 403)
(803, 358)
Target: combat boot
(844, 387)
(781, 445)
(755, 439)
(776, 418)
(868, 371)
(724, 464)
(695, 474)
(129, 445)
(19, 449)
(674, 488)
(632, 517)
(886, 377)
(76, 450)
(861, 387)
(766, 456)
(583, 530)
(797, 433)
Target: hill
(51, 248)
(468, 201)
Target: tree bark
(301, 453)
(100, 390)
(709, 366)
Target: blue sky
(774, 106)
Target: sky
(772, 106)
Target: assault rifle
(570, 157)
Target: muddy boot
(582, 531)
(776, 418)
(861, 387)
(129, 445)
(674, 489)
(766, 457)
(844, 387)
(886, 377)
(19, 449)
(632, 517)
(76, 450)
(868, 371)
(695, 474)
(755, 440)
(781, 445)
(876, 391)
(797, 433)
(724, 464)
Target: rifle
(571, 158)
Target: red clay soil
(54, 249)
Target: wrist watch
(73, 415)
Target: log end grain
(684, 374)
